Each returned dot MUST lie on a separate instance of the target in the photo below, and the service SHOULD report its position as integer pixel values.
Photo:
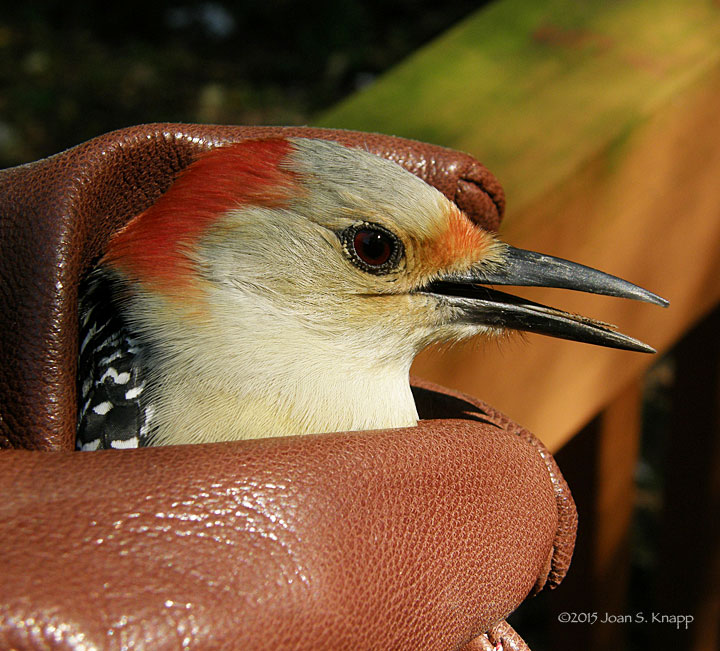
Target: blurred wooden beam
(601, 120)
(534, 88)
(648, 211)
(599, 464)
(689, 582)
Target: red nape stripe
(152, 246)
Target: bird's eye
(371, 247)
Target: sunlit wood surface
(602, 120)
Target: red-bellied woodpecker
(285, 286)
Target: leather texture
(57, 214)
(402, 539)
(424, 538)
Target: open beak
(484, 306)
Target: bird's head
(334, 257)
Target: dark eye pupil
(373, 247)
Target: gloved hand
(419, 538)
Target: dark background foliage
(72, 70)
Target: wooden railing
(676, 524)
(602, 121)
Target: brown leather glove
(419, 538)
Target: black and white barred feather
(113, 409)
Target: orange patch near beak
(461, 244)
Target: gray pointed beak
(484, 306)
